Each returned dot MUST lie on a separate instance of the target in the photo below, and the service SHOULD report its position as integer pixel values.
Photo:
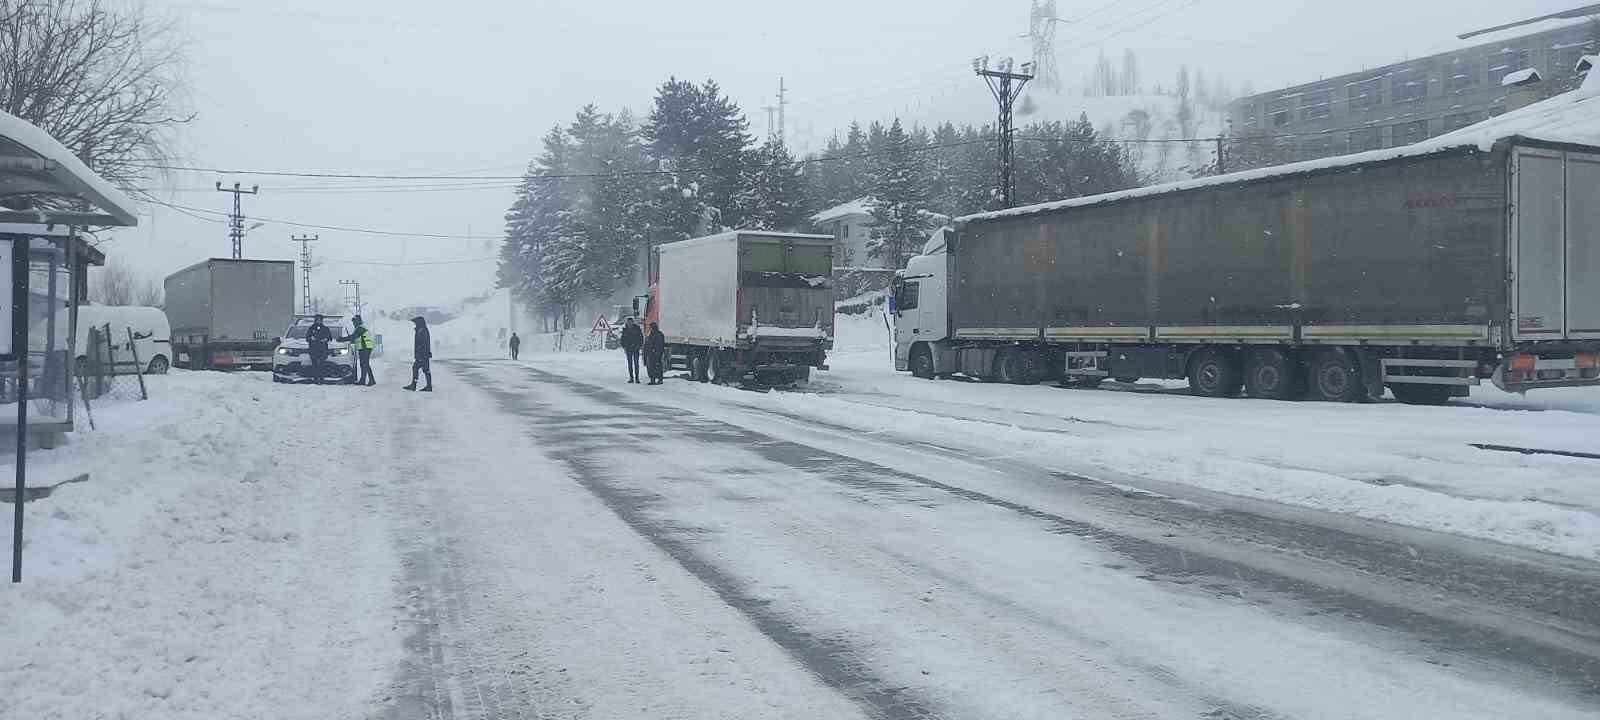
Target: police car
(291, 361)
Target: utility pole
(236, 219)
(1007, 87)
(782, 102)
(356, 287)
(305, 270)
(772, 129)
(1221, 166)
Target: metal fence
(110, 366)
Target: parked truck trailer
(227, 314)
(1425, 270)
(745, 305)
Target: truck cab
(920, 308)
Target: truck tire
(1335, 377)
(721, 367)
(1270, 374)
(800, 377)
(1214, 373)
(1414, 394)
(922, 361)
(698, 371)
(1016, 366)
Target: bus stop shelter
(48, 200)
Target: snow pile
(215, 563)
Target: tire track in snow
(1569, 660)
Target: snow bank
(217, 563)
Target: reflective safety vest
(363, 338)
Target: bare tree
(101, 76)
(150, 293)
(112, 285)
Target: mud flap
(1371, 365)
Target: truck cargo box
(727, 290)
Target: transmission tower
(1007, 87)
(352, 286)
(236, 219)
(1042, 20)
(305, 271)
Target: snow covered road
(539, 540)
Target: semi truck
(226, 314)
(1425, 270)
(745, 305)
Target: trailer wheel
(922, 361)
(721, 372)
(1414, 394)
(1214, 373)
(698, 371)
(1270, 374)
(1335, 377)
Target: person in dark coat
(317, 338)
(422, 350)
(361, 339)
(632, 339)
(655, 354)
(516, 344)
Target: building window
(1316, 147)
(1366, 139)
(1366, 93)
(1278, 110)
(1408, 86)
(1462, 76)
(1505, 62)
(1316, 105)
(1461, 120)
(1407, 133)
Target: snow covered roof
(1571, 118)
(858, 206)
(1525, 76)
(32, 162)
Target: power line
(412, 264)
(340, 228)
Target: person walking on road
(655, 354)
(317, 338)
(516, 344)
(361, 340)
(632, 340)
(422, 349)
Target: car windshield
(984, 359)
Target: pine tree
(777, 194)
(699, 136)
(899, 200)
(532, 224)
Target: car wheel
(1214, 373)
(1335, 377)
(922, 362)
(159, 365)
(1414, 394)
(1270, 374)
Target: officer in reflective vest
(361, 339)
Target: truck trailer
(226, 314)
(745, 305)
(1423, 269)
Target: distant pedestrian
(317, 338)
(632, 340)
(516, 344)
(655, 354)
(361, 339)
(422, 349)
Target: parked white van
(152, 335)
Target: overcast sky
(469, 86)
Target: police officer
(361, 340)
(317, 338)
